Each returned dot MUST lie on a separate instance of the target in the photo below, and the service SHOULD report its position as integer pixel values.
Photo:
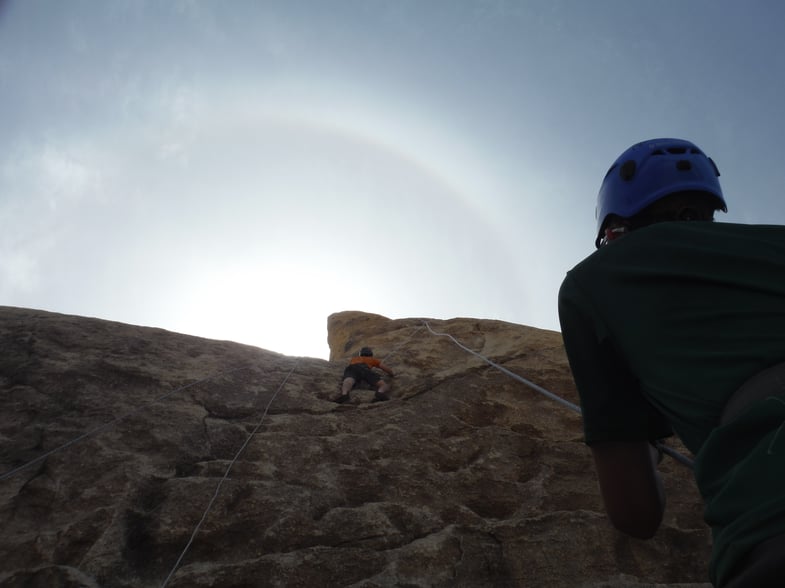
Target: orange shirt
(371, 362)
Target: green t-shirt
(660, 328)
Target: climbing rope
(109, 424)
(226, 475)
(404, 342)
(513, 375)
(658, 444)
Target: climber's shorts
(360, 372)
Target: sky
(240, 170)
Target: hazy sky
(242, 169)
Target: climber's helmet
(650, 171)
(366, 352)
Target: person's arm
(386, 369)
(631, 486)
(618, 421)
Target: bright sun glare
(276, 308)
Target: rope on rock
(111, 423)
(513, 375)
(658, 444)
(226, 475)
(402, 343)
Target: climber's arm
(386, 369)
(631, 486)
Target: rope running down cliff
(659, 445)
(226, 475)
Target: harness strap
(768, 383)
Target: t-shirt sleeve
(613, 406)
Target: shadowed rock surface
(466, 478)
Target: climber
(360, 370)
(680, 327)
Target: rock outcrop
(116, 439)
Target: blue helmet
(651, 170)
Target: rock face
(116, 439)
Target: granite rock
(134, 457)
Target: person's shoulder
(773, 231)
(644, 243)
(719, 234)
(586, 264)
(716, 228)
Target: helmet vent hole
(627, 170)
(683, 165)
(677, 150)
